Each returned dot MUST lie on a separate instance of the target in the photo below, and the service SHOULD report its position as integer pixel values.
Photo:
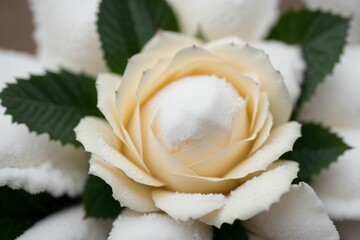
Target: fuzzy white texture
(298, 215)
(66, 36)
(336, 102)
(338, 186)
(68, 224)
(194, 109)
(289, 61)
(249, 19)
(346, 8)
(134, 226)
(32, 162)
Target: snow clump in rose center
(194, 109)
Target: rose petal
(264, 134)
(298, 215)
(167, 44)
(185, 206)
(208, 18)
(66, 36)
(281, 140)
(348, 9)
(338, 186)
(68, 224)
(131, 225)
(223, 161)
(336, 101)
(288, 60)
(255, 195)
(106, 85)
(192, 183)
(248, 59)
(98, 138)
(129, 193)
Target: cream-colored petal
(182, 64)
(264, 134)
(98, 138)
(338, 186)
(255, 195)
(126, 94)
(262, 111)
(298, 215)
(249, 19)
(166, 43)
(248, 59)
(289, 61)
(129, 193)
(223, 161)
(134, 226)
(281, 140)
(106, 86)
(196, 184)
(185, 206)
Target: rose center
(193, 109)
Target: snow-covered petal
(215, 19)
(348, 230)
(298, 215)
(107, 85)
(288, 60)
(248, 59)
(280, 141)
(347, 8)
(129, 193)
(185, 206)
(68, 224)
(336, 102)
(66, 36)
(98, 138)
(35, 167)
(255, 195)
(65, 176)
(338, 186)
(134, 226)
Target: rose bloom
(194, 130)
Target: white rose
(193, 130)
(249, 19)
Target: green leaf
(19, 210)
(230, 232)
(98, 200)
(315, 150)
(322, 37)
(53, 103)
(125, 26)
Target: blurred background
(16, 24)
